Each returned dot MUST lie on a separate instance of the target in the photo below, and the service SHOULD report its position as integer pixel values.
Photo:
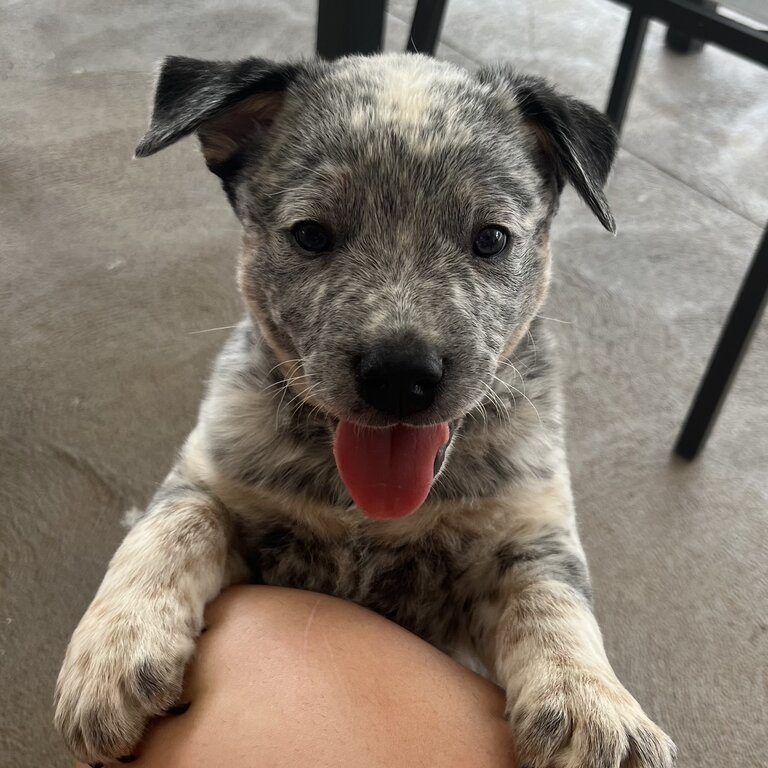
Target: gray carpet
(108, 265)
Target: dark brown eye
(490, 241)
(311, 236)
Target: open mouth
(389, 471)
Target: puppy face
(396, 213)
(398, 207)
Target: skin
(404, 159)
(344, 678)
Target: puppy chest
(413, 585)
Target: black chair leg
(626, 69)
(681, 42)
(349, 26)
(734, 340)
(425, 29)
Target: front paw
(125, 664)
(578, 719)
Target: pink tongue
(388, 472)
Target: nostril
(432, 371)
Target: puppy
(385, 425)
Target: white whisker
(285, 383)
(533, 344)
(501, 408)
(520, 362)
(555, 319)
(208, 330)
(285, 362)
(509, 365)
(522, 394)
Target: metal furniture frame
(356, 26)
(692, 20)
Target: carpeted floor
(108, 266)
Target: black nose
(399, 380)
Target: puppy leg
(565, 704)
(126, 660)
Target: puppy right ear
(578, 141)
(228, 104)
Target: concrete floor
(107, 265)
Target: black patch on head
(579, 142)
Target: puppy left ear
(227, 103)
(578, 141)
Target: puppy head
(396, 213)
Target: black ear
(227, 103)
(579, 142)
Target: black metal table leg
(698, 19)
(349, 26)
(682, 42)
(425, 29)
(734, 339)
(626, 69)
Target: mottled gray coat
(403, 159)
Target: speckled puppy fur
(403, 158)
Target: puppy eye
(311, 236)
(490, 241)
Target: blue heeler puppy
(385, 424)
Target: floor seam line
(703, 194)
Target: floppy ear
(578, 141)
(227, 103)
